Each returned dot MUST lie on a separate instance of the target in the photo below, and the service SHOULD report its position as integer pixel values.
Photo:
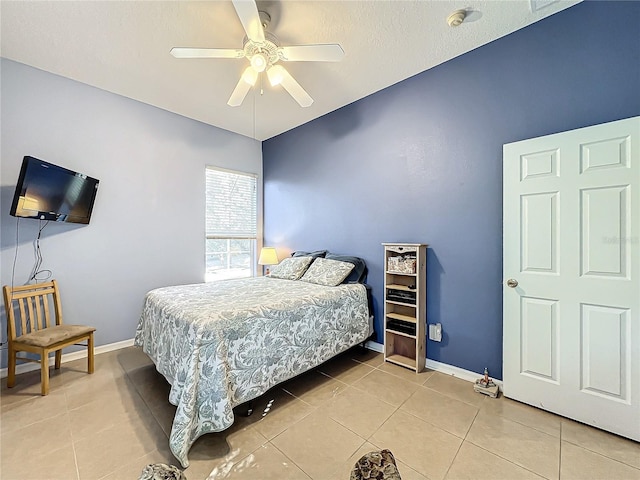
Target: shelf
(402, 360)
(389, 272)
(395, 286)
(399, 316)
(401, 303)
(402, 334)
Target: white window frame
(231, 232)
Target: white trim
(375, 346)
(69, 357)
(443, 368)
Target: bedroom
(147, 159)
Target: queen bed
(225, 343)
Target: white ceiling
(123, 47)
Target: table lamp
(268, 256)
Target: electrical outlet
(435, 332)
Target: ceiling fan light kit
(263, 52)
(274, 74)
(250, 75)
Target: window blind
(230, 204)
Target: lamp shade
(268, 256)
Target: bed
(222, 344)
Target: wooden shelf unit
(405, 348)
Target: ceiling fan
(263, 51)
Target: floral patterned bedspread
(224, 343)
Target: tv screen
(48, 192)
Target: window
(231, 224)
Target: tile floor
(111, 424)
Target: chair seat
(50, 336)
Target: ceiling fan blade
(247, 80)
(279, 75)
(247, 11)
(312, 53)
(180, 52)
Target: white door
(571, 274)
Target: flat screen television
(49, 192)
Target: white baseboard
(375, 346)
(69, 357)
(444, 368)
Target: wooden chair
(35, 331)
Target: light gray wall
(147, 228)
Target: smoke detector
(456, 18)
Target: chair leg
(11, 367)
(58, 359)
(90, 365)
(44, 372)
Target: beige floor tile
(133, 469)
(369, 357)
(345, 369)
(105, 364)
(132, 358)
(276, 411)
(108, 408)
(580, 464)
(405, 373)
(314, 440)
(531, 449)
(388, 388)
(474, 463)
(150, 384)
(16, 415)
(408, 473)
(455, 388)
(101, 454)
(314, 388)
(525, 414)
(85, 389)
(49, 434)
(164, 413)
(31, 464)
(426, 449)
(266, 463)
(444, 412)
(222, 450)
(604, 443)
(358, 411)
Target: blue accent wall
(421, 161)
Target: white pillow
(324, 271)
(290, 268)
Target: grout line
(506, 459)
(454, 459)
(287, 457)
(560, 452)
(73, 442)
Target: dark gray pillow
(316, 254)
(359, 272)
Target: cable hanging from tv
(36, 272)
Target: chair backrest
(29, 307)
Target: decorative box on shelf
(401, 264)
